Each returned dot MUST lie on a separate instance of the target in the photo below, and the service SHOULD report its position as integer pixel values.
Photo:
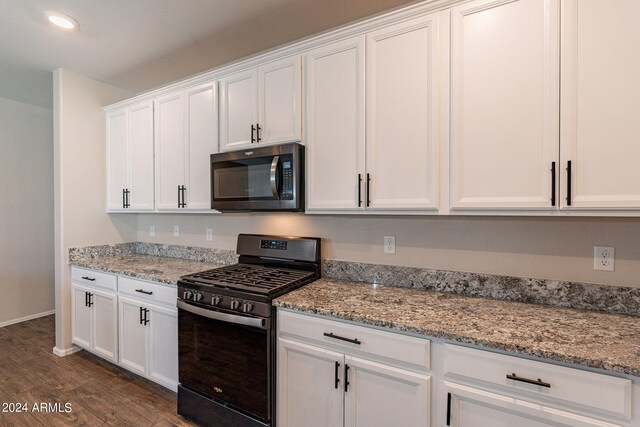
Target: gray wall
(549, 248)
(26, 211)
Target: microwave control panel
(287, 180)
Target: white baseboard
(24, 319)
(66, 352)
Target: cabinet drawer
(603, 393)
(388, 347)
(148, 291)
(94, 278)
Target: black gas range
(226, 330)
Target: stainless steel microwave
(259, 179)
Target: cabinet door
(141, 156)
(202, 141)
(334, 126)
(82, 317)
(170, 150)
(117, 158)
(600, 130)
(308, 394)
(279, 99)
(105, 325)
(132, 335)
(504, 104)
(471, 407)
(402, 115)
(238, 109)
(381, 395)
(163, 345)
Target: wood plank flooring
(100, 394)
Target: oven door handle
(273, 179)
(223, 317)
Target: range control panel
(280, 245)
(225, 302)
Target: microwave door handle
(274, 170)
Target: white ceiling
(141, 44)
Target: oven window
(225, 361)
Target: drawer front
(148, 291)
(388, 347)
(97, 279)
(603, 393)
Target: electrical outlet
(176, 231)
(209, 234)
(389, 244)
(603, 258)
(152, 230)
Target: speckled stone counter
(588, 338)
(154, 268)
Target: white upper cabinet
(504, 105)
(130, 158)
(391, 164)
(117, 159)
(334, 125)
(186, 136)
(261, 105)
(170, 151)
(600, 130)
(402, 115)
(202, 142)
(238, 110)
(279, 99)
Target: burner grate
(253, 278)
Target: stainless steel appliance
(259, 179)
(226, 330)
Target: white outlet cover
(389, 244)
(176, 231)
(209, 234)
(152, 230)
(604, 258)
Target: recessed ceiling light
(61, 20)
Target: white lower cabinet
(471, 407)
(130, 322)
(94, 313)
(149, 340)
(323, 384)
(491, 389)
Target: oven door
(226, 357)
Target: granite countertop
(149, 267)
(589, 338)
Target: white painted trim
(24, 319)
(66, 352)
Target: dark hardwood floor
(99, 393)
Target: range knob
(247, 307)
(187, 295)
(235, 304)
(197, 297)
(216, 300)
